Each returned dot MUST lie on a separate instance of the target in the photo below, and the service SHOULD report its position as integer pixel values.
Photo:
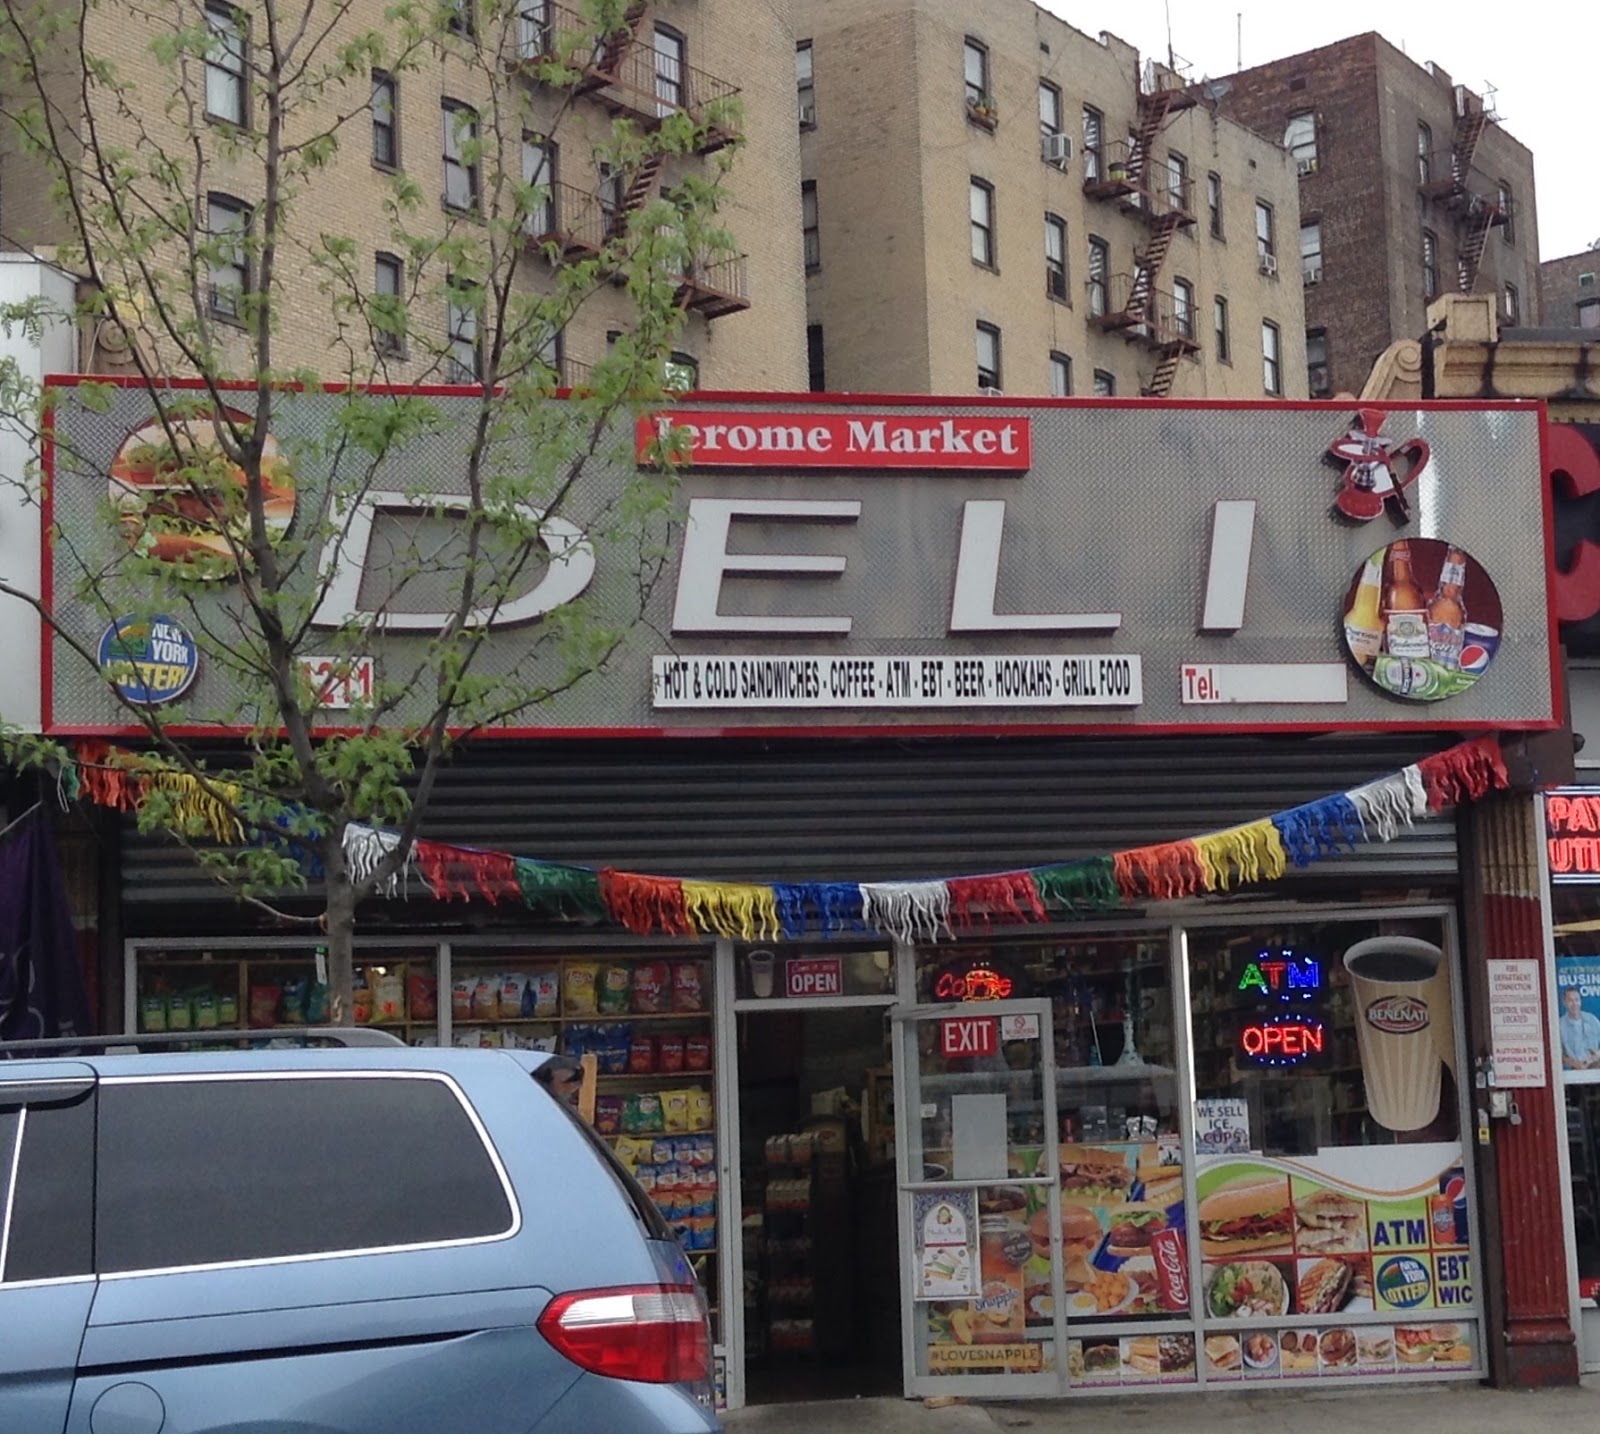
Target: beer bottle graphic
(1405, 613)
(1447, 615)
(1363, 624)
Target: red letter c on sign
(1575, 466)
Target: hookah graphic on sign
(1371, 480)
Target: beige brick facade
(761, 345)
(897, 293)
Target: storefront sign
(1284, 1039)
(1280, 974)
(148, 660)
(814, 976)
(338, 685)
(1019, 1027)
(962, 1037)
(945, 1227)
(1516, 1023)
(1572, 835)
(985, 980)
(1578, 985)
(985, 1358)
(1221, 1125)
(919, 564)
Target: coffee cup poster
(1578, 988)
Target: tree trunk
(341, 922)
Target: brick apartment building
(1569, 290)
(996, 200)
(745, 323)
(1409, 188)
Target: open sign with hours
(813, 976)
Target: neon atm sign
(1281, 975)
(1287, 987)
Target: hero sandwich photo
(1247, 1214)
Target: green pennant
(565, 890)
(1078, 886)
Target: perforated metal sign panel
(923, 564)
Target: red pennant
(1465, 772)
(645, 905)
(1162, 873)
(1009, 897)
(452, 871)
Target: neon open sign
(1284, 1040)
(1286, 986)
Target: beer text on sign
(814, 976)
(966, 1036)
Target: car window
(282, 1166)
(50, 1231)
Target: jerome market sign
(1002, 566)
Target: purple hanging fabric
(41, 985)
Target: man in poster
(1580, 1032)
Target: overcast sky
(1515, 48)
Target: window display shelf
(1112, 1075)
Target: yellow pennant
(742, 911)
(1253, 852)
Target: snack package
(705, 1154)
(697, 1053)
(494, 1038)
(228, 1009)
(203, 1003)
(688, 988)
(611, 1046)
(180, 1013)
(682, 1230)
(631, 1152)
(702, 1232)
(360, 999)
(292, 1008)
(675, 1110)
(422, 991)
(683, 1150)
(661, 1151)
(540, 1043)
(317, 1002)
(704, 1198)
(652, 995)
(513, 991)
(389, 997)
(461, 990)
(153, 1013)
(633, 1119)
(608, 1114)
(646, 1176)
(642, 1055)
(467, 1040)
(669, 1054)
(579, 988)
(650, 1113)
(486, 998)
(263, 1005)
(615, 982)
(541, 997)
(700, 1110)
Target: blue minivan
(362, 1240)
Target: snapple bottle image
(1003, 1248)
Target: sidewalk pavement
(1448, 1409)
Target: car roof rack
(164, 1040)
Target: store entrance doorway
(819, 1242)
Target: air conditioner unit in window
(1269, 265)
(808, 116)
(1303, 167)
(1312, 275)
(988, 392)
(1056, 148)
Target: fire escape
(629, 75)
(1477, 203)
(1122, 173)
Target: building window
(536, 27)
(1424, 154)
(1588, 315)
(1214, 203)
(1177, 182)
(539, 174)
(1271, 361)
(227, 228)
(1512, 305)
(808, 225)
(805, 84)
(1055, 257)
(981, 205)
(1300, 139)
(1094, 136)
(975, 73)
(460, 156)
(988, 356)
(385, 120)
(669, 56)
(816, 368)
(1183, 308)
(1586, 281)
(459, 19)
(225, 64)
(1219, 326)
(464, 357)
(1311, 251)
(611, 193)
(1060, 376)
(682, 373)
(1502, 199)
(1099, 264)
(1266, 241)
(1318, 382)
(1105, 384)
(388, 307)
(1430, 265)
(1049, 109)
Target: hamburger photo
(1250, 1213)
(1413, 1343)
(1131, 1227)
(1328, 1223)
(1095, 1177)
(180, 498)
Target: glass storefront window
(1577, 946)
(779, 971)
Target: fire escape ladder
(1160, 385)
(643, 184)
(609, 53)
(1480, 219)
(1469, 128)
(1148, 264)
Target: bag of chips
(422, 991)
(669, 1054)
(317, 1001)
(579, 994)
(486, 997)
(632, 1152)
(650, 1112)
(705, 1155)
(292, 1008)
(651, 993)
(228, 1009)
(264, 1005)
(180, 1014)
(615, 982)
(702, 1232)
(700, 1110)
(612, 1047)
(389, 997)
(642, 1055)
(675, 1111)
(541, 997)
(608, 1114)
(697, 1053)
(203, 1002)
(461, 990)
(688, 988)
(153, 1013)
(513, 988)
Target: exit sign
(967, 1036)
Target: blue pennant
(1319, 829)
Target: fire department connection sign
(894, 566)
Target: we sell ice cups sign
(1404, 1030)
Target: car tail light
(656, 1334)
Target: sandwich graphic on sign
(1246, 1214)
(1330, 1223)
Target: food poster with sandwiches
(1366, 1250)
(1109, 1360)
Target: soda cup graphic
(1478, 647)
(1402, 999)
